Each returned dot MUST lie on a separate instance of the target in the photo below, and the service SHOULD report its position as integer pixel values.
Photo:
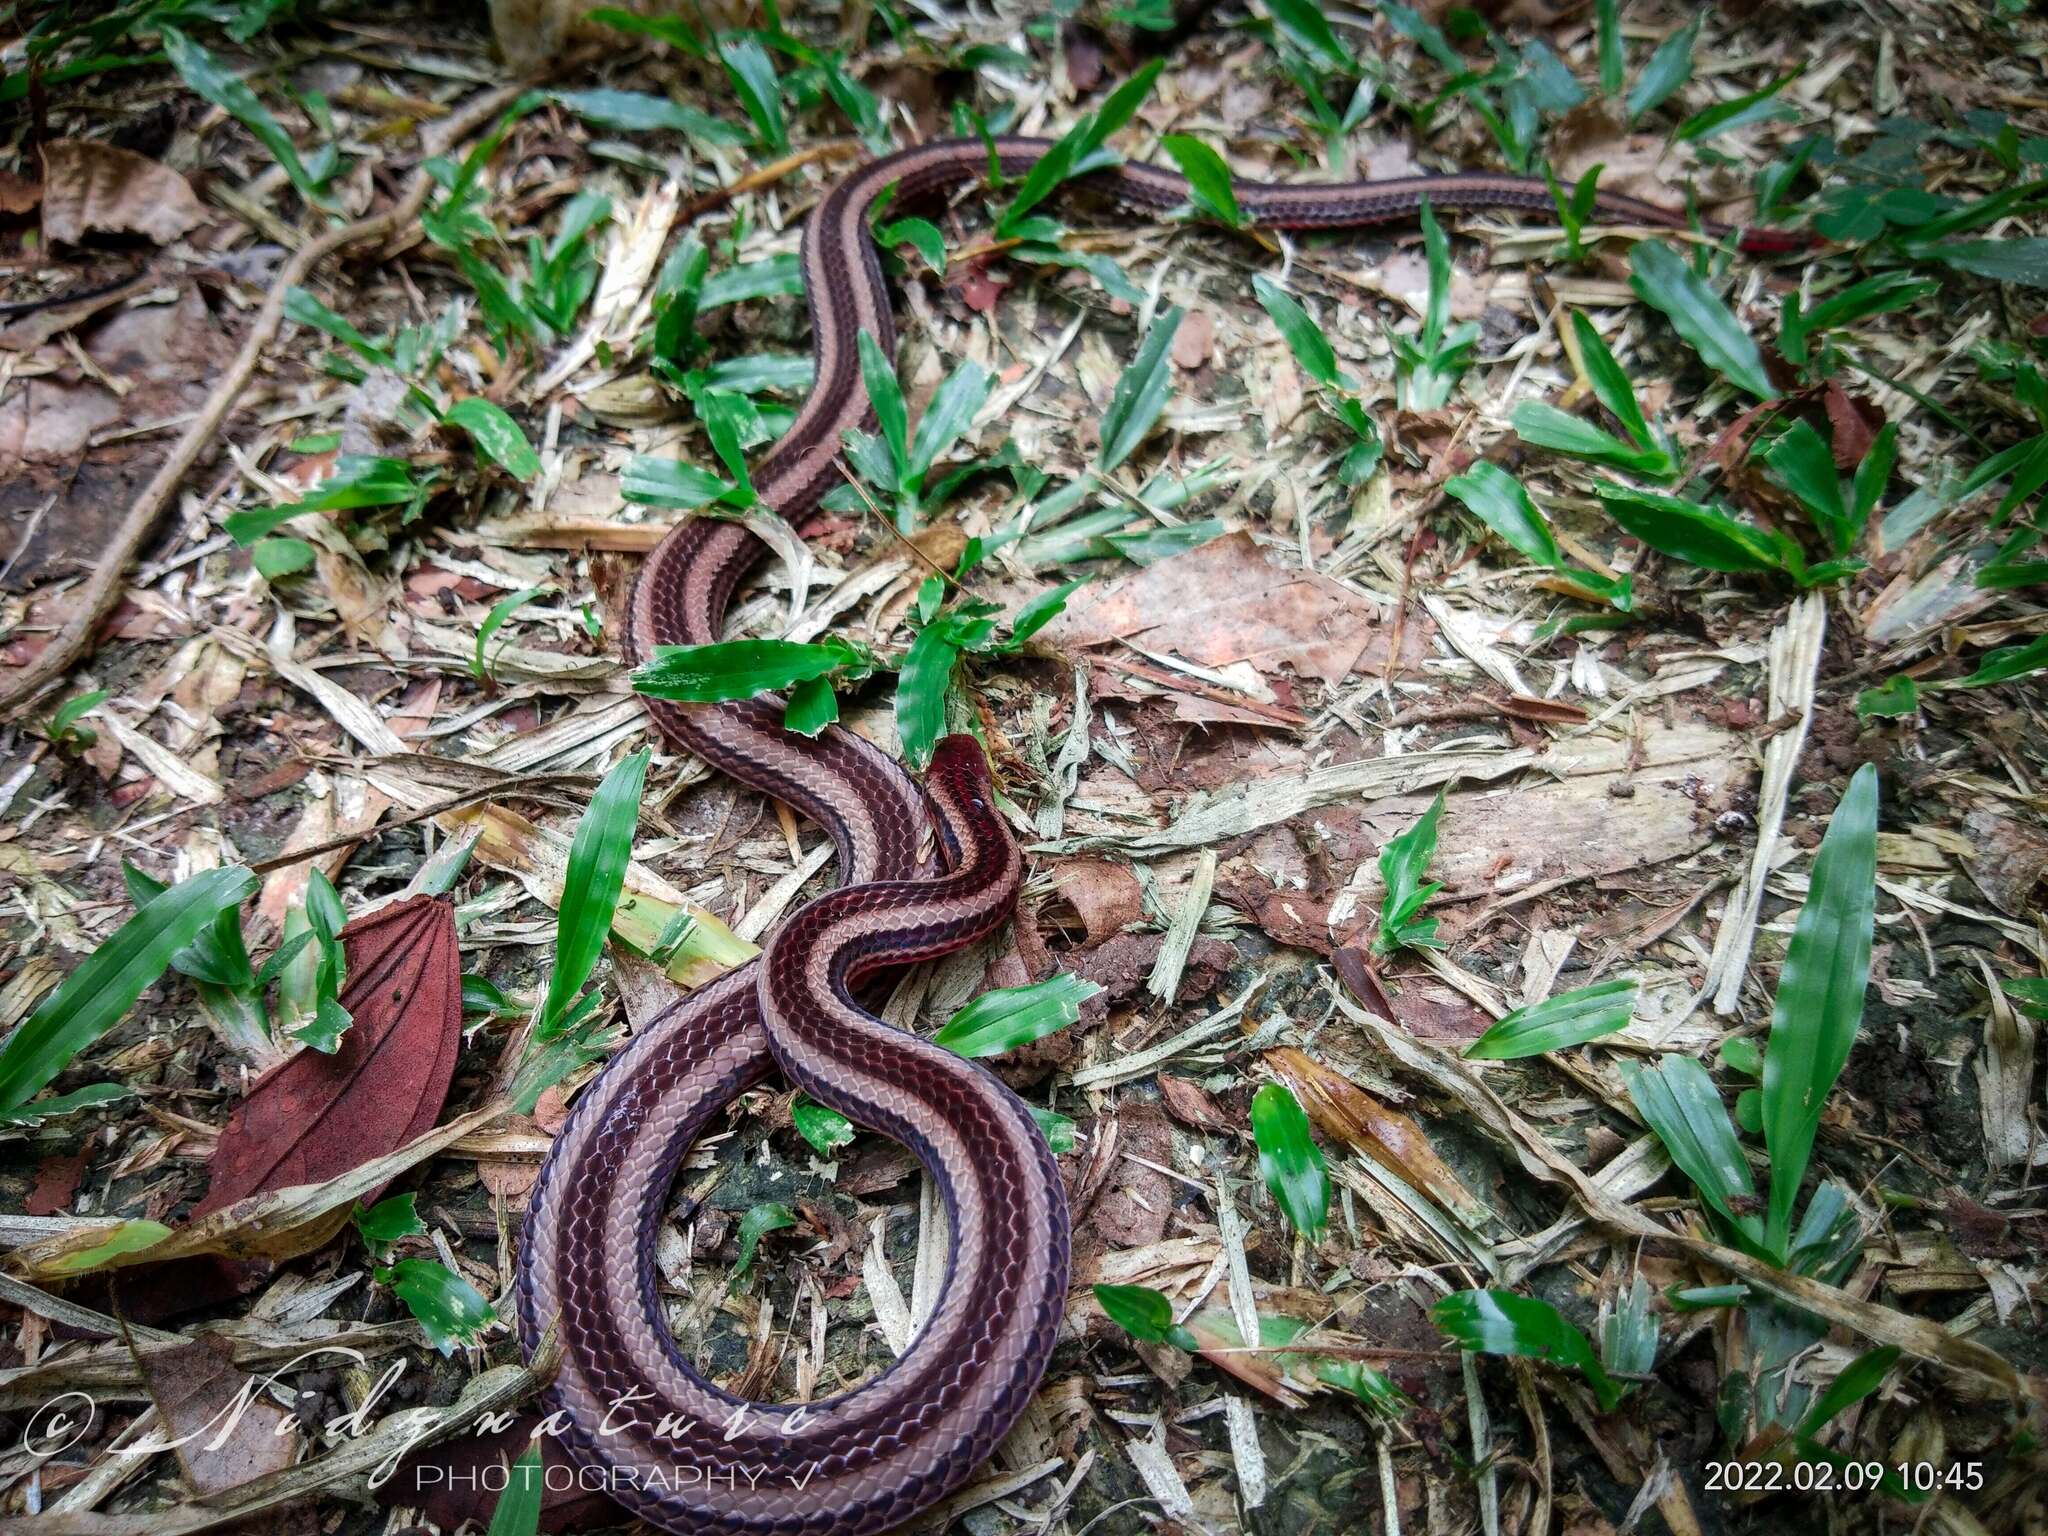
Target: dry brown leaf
(196, 1388)
(1347, 1112)
(1225, 602)
(91, 188)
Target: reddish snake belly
(667, 1444)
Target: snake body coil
(674, 1449)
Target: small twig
(766, 175)
(102, 588)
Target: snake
(924, 870)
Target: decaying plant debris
(1530, 741)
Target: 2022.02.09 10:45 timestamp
(1845, 1476)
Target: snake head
(959, 770)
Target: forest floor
(1421, 664)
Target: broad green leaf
(591, 884)
(1669, 68)
(1686, 530)
(64, 719)
(824, 1128)
(1679, 1102)
(1613, 389)
(1543, 425)
(1057, 1130)
(2005, 261)
(1008, 1017)
(226, 90)
(656, 482)
(764, 373)
(1699, 1298)
(1403, 863)
(922, 682)
(1802, 462)
(482, 995)
(731, 422)
(922, 234)
(635, 112)
(1144, 1314)
(1290, 1161)
(1140, 394)
(1556, 1023)
(387, 1221)
(276, 558)
(668, 29)
(739, 669)
(1302, 23)
(953, 405)
(497, 434)
(448, 1307)
(1501, 502)
(129, 1237)
(1820, 994)
(89, 1097)
(1664, 280)
(769, 1216)
(517, 1512)
(812, 706)
(1613, 53)
(775, 277)
(95, 996)
(1039, 612)
(1208, 178)
(1873, 474)
(760, 92)
(2029, 994)
(1502, 1323)
(1118, 108)
(501, 610)
(885, 397)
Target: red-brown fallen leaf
(1856, 420)
(93, 188)
(56, 1184)
(1106, 896)
(1345, 1111)
(1193, 341)
(195, 1388)
(1226, 602)
(18, 194)
(1190, 1104)
(318, 1116)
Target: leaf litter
(1631, 558)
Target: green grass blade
(952, 411)
(1687, 530)
(922, 682)
(1304, 337)
(596, 874)
(1140, 394)
(885, 394)
(517, 1512)
(1679, 1102)
(1820, 994)
(1669, 68)
(501, 610)
(448, 1307)
(94, 997)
